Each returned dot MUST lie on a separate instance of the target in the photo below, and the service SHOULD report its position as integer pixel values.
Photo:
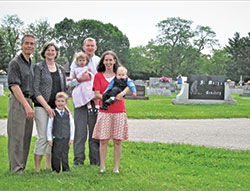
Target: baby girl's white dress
(83, 92)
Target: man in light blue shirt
(84, 120)
(89, 47)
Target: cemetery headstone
(246, 90)
(206, 87)
(140, 93)
(158, 88)
(140, 82)
(4, 81)
(205, 90)
(1, 90)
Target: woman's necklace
(51, 67)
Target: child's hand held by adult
(70, 142)
(51, 143)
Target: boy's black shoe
(90, 110)
(96, 110)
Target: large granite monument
(205, 90)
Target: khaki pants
(19, 130)
(41, 119)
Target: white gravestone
(1, 90)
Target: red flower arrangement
(163, 79)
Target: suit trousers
(60, 151)
(84, 126)
(19, 130)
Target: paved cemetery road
(220, 133)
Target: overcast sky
(137, 19)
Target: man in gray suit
(21, 113)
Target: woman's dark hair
(101, 66)
(46, 46)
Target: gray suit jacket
(43, 80)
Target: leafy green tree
(218, 63)
(155, 54)
(4, 57)
(175, 36)
(182, 46)
(66, 34)
(12, 27)
(108, 37)
(239, 57)
(71, 35)
(141, 65)
(204, 37)
(43, 33)
(175, 31)
(191, 63)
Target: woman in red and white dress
(111, 123)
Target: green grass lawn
(144, 166)
(4, 105)
(161, 107)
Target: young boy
(116, 86)
(60, 133)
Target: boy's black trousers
(60, 150)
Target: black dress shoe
(96, 110)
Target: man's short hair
(27, 35)
(89, 39)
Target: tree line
(177, 49)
